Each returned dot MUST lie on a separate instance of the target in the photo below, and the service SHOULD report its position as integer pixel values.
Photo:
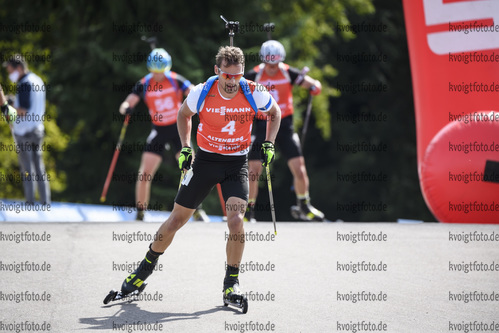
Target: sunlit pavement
(311, 277)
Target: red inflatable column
(454, 53)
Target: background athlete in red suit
(162, 90)
(279, 78)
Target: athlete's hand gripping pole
(115, 158)
(184, 162)
(185, 158)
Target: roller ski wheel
(236, 299)
(115, 295)
(298, 214)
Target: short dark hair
(15, 61)
(231, 55)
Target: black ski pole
(298, 81)
(307, 119)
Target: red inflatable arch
(454, 53)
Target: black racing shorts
(287, 140)
(209, 169)
(160, 136)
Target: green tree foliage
(97, 55)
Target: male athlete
(279, 78)
(226, 105)
(162, 90)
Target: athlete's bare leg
(235, 244)
(300, 177)
(177, 219)
(149, 164)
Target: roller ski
(304, 211)
(115, 295)
(232, 296)
(135, 283)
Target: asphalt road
(330, 277)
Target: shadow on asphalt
(130, 313)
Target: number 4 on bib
(230, 127)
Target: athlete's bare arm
(130, 102)
(309, 82)
(184, 124)
(273, 122)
